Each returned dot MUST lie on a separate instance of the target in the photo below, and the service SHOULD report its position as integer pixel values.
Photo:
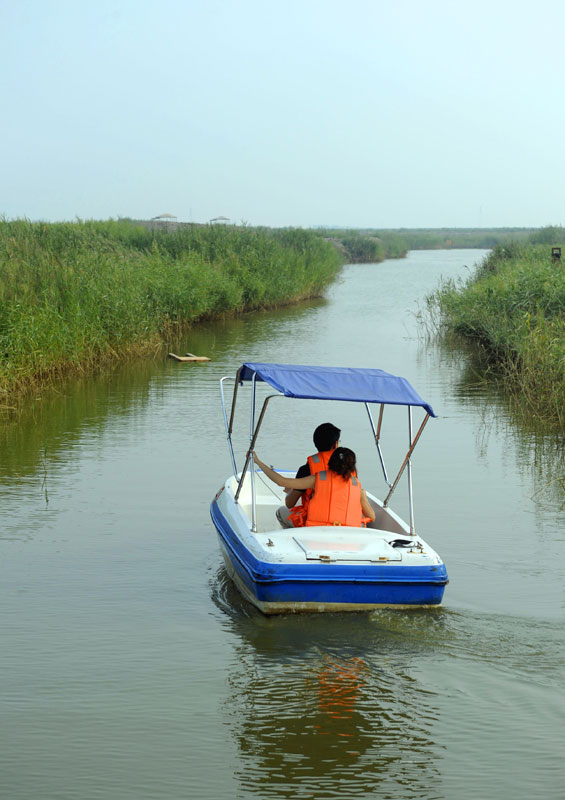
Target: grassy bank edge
(513, 309)
(77, 296)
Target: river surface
(132, 669)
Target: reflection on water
(54, 424)
(62, 416)
(315, 711)
(367, 705)
(539, 453)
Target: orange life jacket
(317, 463)
(335, 501)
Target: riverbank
(463, 238)
(514, 308)
(74, 295)
(366, 247)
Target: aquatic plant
(461, 238)
(514, 308)
(75, 294)
(365, 246)
(551, 234)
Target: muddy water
(130, 666)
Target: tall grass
(75, 294)
(366, 246)
(551, 234)
(395, 243)
(448, 238)
(363, 249)
(514, 307)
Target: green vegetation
(364, 246)
(363, 249)
(514, 307)
(370, 245)
(75, 294)
(551, 234)
(461, 238)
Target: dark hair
(343, 462)
(325, 436)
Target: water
(130, 666)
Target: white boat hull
(322, 569)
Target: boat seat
(383, 521)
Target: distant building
(162, 217)
(219, 221)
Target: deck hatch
(350, 546)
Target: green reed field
(73, 295)
(461, 238)
(365, 246)
(514, 308)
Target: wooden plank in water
(188, 357)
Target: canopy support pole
(249, 455)
(228, 429)
(251, 430)
(237, 382)
(409, 474)
(406, 460)
(377, 435)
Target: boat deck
(386, 540)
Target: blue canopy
(336, 383)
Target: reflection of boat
(323, 568)
(330, 703)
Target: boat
(323, 568)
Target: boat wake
(226, 597)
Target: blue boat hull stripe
(311, 582)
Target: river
(132, 669)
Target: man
(326, 439)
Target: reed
(462, 238)
(514, 308)
(366, 246)
(395, 243)
(73, 295)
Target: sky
(305, 113)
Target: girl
(338, 496)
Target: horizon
(233, 223)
